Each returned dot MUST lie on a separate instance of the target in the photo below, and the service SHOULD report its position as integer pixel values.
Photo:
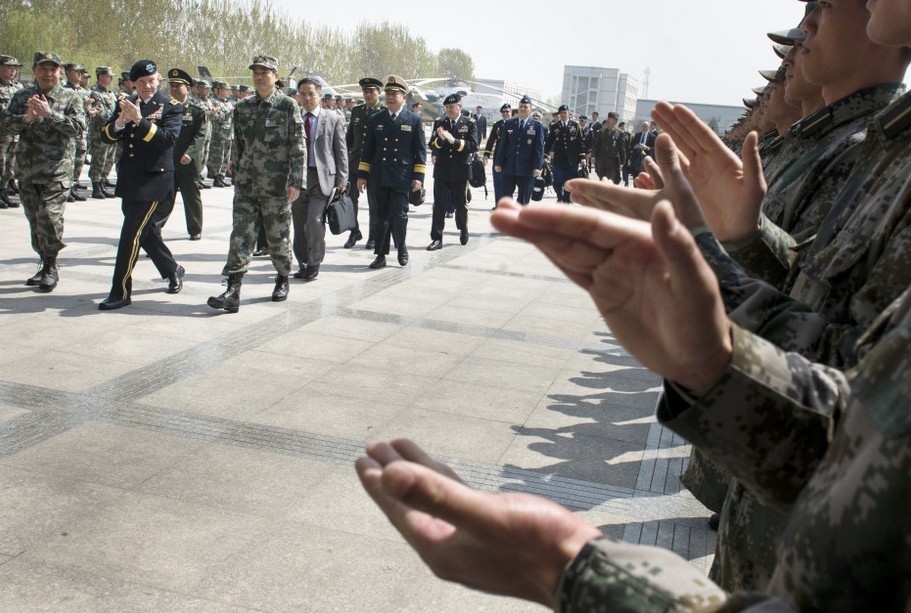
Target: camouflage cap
(8, 60)
(45, 56)
(202, 83)
(243, 88)
(107, 70)
(71, 67)
(235, 88)
(266, 61)
(125, 76)
(781, 50)
(613, 115)
(218, 84)
(396, 84)
(773, 76)
(787, 37)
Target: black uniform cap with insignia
(142, 68)
(396, 84)
(370, 82)
(525, 100)
(505, 107)
(452, 99)
(562, 107)
(44, 56)
(176, 75)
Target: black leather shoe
(218, 182)
(35, 279)
(195, 237)
(370, 244)
(280, 293)
(463, 236)
(108, 183)
(260, 252)
(77, 196)
(105, 192)
(175, 281)
(379, 262)
(448, 215)
(70, 197)
(112, 303)
(403, 257)
(311, 272)
(353, 238)
(78, 185)
(301, 273)
(434, 245)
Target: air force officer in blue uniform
(520, 153)
(394, 158)
(148, 124)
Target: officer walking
(49, 119)
(566, 149)
(148, 123)
(393, 158)
(454, 140)
(609, 149)
(355, 135)
(188, 153)
(520, 154)
(267, 164)
(490, 148)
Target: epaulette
(174, 102)
(814, 123)
(895, 120)
(472, 120)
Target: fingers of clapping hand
(635, 203)
(752, 165)
(411, 451)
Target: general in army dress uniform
(48, 119)
(188, 154)
(455, 139)
(609, 149)
(148, 123)
(393, 158)
(355, 134)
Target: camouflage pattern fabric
(275, 214)
(102, 153)
(801, 194)
(222, 135)
(44, 205)
(82, 140)
(7, 139)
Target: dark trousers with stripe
(392, 210)
(138, 231)
(448, 196)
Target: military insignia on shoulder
(174, 102)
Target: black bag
(477, 177)
(537, 190)
(340, 213)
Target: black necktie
(521, 125)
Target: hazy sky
(697, 51)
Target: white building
(592, 88)
(507, 91)
(719, 117)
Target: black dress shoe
(175, 281)
(35, 279)
(379, 262)
(108, 183)
(463, 236)
(260, 252)
(353, 238)
(280, 293)
(403, 257)
(195, 237)
(370, 244)
(77, 196)
(434, 245)
(311, 272)
(113, 302)
(448, 215)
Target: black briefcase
(340, 213)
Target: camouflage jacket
(221, 114)
(46, 151)
(269, 153)
(7, 89)
(855, 266)
(800, 194)
(846, 542)
(105, 103)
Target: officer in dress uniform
(490, 147)
(454, 140)
(393, 158)
(520, 154)
(188, 153)
(148, 123)
(566, 150)
(609, 149)
(355, 134)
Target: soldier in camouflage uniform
(73, 74)
(202, 95)
(105, 103)
(48, 119)
(222, 133)
(268, 164)
(9, 67)
(845, 543)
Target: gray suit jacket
(330, 152)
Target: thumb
(754, 179)
(678, 250)
(666, 155)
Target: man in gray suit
(327, 168)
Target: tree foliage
(217, 34)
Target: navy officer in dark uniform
(454, 141)
(566, 148)
(148, 124)
(490, 148)
(393, 159)
(520, 154)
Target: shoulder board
(896, 118)
(472, 120)
(174, 102)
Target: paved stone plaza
(169, 457)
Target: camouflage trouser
(219, 150)
(7, 155)
(276, 220)
(81, 148)
(43, 205)
(102, 159)
(205, 155)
